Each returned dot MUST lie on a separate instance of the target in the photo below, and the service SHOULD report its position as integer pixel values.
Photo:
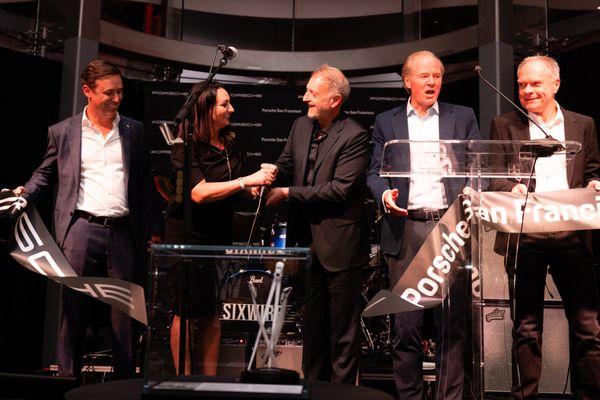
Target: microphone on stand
(229, 52)
(536, 148)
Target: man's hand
(10, 203)
(255, 192)
(594, 184)
(389, 202)
(19, 190)
(154, 239)
(519, 188)
(270, 168)
(277, 196)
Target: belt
(105, 221)
(425, 214)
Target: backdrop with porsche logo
(262, 119)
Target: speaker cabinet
(232, 360)
(494, 283)
(497, 344)
(286, 356)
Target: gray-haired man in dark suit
(324, 162)
(566, 255)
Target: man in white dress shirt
(105, 203)
(412, 207)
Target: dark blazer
(456, 122)
(583, 168)
(334, 206)
(62, 165)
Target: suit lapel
(74, 142)
(303, 139)
(521, 129)
(400, 131)
(572, 132)
(400, 123)
(125, 135)
(447, 122)
(327, 145)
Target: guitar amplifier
(288, 356)
(497, 344)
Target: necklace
(219, 152)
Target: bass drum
(238, 313)
(236, 287)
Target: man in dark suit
(568, 254)
(105, 195)
(412, 206)
(324, 162)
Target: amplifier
(497, 344)
(495, 280)
(232, 359)
(286, 356)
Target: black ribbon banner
(34, 248)
(426, 280)
(428, 277)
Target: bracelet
(242, 183)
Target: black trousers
(331, 324)
(449, 320)
(95, 250)
(574, 275)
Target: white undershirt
(550, 172)
(102, 190)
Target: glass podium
(222, 292)
(469, 158)
(473, 164)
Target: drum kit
(239, 313)
(376, 333)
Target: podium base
(220, 388)
(278, 376)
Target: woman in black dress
(217, 178)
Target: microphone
(229, 52)
(538, 149)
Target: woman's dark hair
(97, 69)
(202, 114)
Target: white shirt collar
(434, 109)
(558, 117)
(86, 122)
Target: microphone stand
(186, 113)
